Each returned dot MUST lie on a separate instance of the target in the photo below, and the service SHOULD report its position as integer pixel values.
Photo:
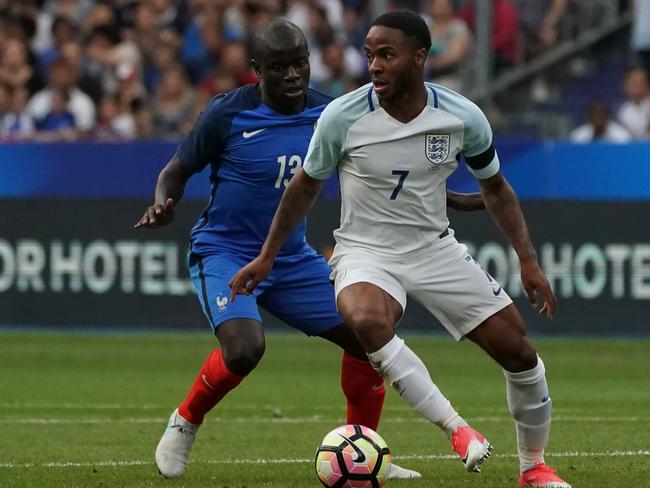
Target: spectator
(145, 33)
(634, 114)
(105, 54)
(339, 81)
(451, 43)
(99, 62)
(88, 81)
(235, 61)
(15, 68)
(58, 123)
(63, 78)
(113, 123)
(63, 30)
(354, 25)
(641, 32)
(172, 107)
(99, 14)
(15, 124)
(505, 30)
(219, 82)
(164, 56)
(75, 10)
(538, 21)
(202, 40)
(142, 118)
(600, 127)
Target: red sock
(364, 390)
(211, 385)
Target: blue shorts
(298, 291)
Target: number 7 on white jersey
(402, 176)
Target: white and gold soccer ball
(353, 456)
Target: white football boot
(398, 473)
(175, 445)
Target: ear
(256, 67)
(421, 56)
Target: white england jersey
(392, 174)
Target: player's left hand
(251, 275)
(536, 284)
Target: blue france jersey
(253, 152)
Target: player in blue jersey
(255, 138)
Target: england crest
(436, 147)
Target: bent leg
(504, 338)
(372, 313)
(242, 346)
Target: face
(14, 54)
(599, 115)
(395, 63)
(108, 109)
(173, 83)
(441, 8)
(636, 84)
(285, 74)
(61, 77)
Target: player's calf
(174, 448)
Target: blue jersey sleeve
(204, 143)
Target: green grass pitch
(87, 410)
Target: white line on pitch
(287, 420)
(227, 406)
(562, 454)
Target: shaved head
(281, 60)
(277, 35)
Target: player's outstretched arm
(465, 202)
(169, 191)
(298, 198)
(503, 205)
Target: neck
(406, 105)
(283, 108)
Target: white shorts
(444, 278)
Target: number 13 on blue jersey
(295, 163)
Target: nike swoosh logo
(496, 291)
(361, 457)
(246, 134)
(205, 380)
(377, 387)
(545, 399)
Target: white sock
(408, 375)
(530, 406)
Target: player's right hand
(157, 215)
(535, 283)
(251, 275)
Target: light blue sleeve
(482, 160)
(327, 145)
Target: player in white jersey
(394, 142)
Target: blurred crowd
(143, 69)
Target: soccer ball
(353, 456)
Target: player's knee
(365, 321)
(242, 358)
(523, 357)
